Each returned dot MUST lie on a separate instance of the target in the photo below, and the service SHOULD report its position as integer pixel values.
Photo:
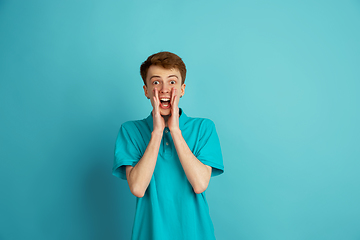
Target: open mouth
(165, 103)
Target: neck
(166, 118)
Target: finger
(153, 102)
(154, 111)
(155, 97)
(175, 99)
(173, 95)
(156, 93)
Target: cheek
(178, 89)
(150, 92)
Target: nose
(165, 88)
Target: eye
(155, 82)
(172, 82)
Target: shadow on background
(108, 204)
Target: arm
(139, 176)
(196, 172)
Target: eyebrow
(170, 76)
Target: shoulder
(135, 129)
(199, 127)
(200, 122)
(132, 125)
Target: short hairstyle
(166, 60)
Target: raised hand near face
(158, 120)
(173, 121)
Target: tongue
(165, 104)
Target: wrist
(157, 133)
(175, 132)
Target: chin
(165, 112)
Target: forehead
(161, 72)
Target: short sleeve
(209, 150)
(126, 151)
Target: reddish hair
(166, 60)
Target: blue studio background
(280, 79)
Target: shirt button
(166, 131)
(167, 143)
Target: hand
(158, 120)
(173, 121)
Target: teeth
(165, 99)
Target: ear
(146, 92)
(182, 90)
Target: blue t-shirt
(170, 209)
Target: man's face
(163, 80)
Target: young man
(168, 158)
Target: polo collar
(182, 119)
